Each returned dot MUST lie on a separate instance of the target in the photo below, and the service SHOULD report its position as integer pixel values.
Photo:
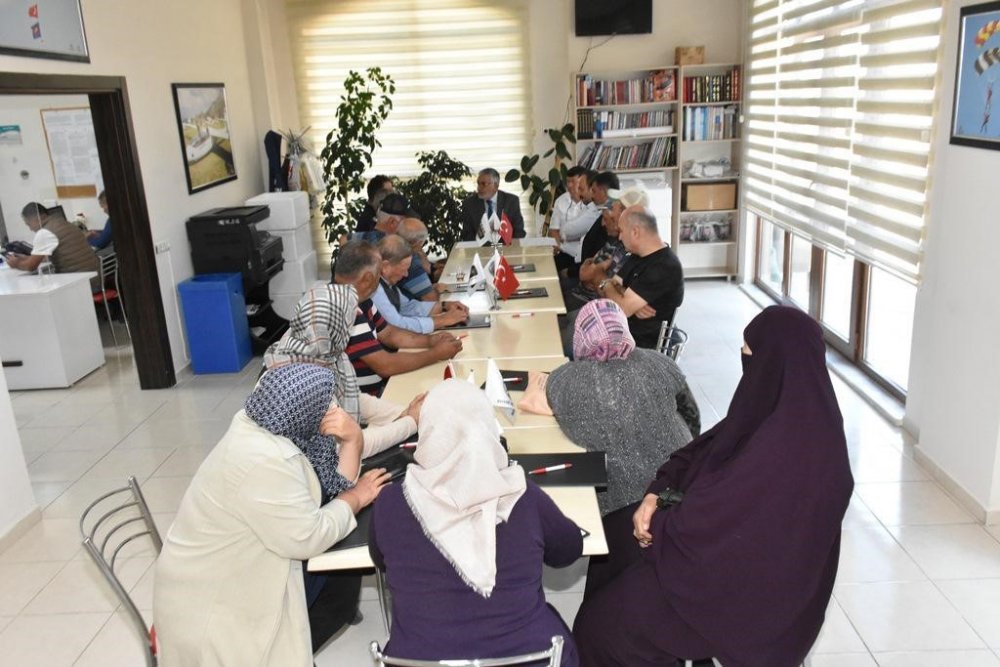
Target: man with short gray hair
(489, 201)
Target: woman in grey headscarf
(632, 403)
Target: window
(771, 266)
(798, 279)
(890, 326)
(835, 313)
(460, 69)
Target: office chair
(108, 270)
(123, 517)
(553, 654)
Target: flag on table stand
(506, 230)
(477, 274)
(449, 371)
(472, 376)
(488, 226)
(496, 390)
(504, 279)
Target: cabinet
(682, 127)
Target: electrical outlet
(161, 247)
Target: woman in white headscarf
(462, 541)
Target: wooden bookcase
(658, 122)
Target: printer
(226, 240)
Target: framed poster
(43, 29)
(76, 165)
(203, 124)
(972, 122)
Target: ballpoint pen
(542, 471)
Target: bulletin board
(76, 167)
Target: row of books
(657, 86)
(710, 123)
(713, 87)
(654, 154)
(611, 124)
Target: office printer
(226, 240)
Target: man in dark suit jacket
(489, 198)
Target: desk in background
(49, 326)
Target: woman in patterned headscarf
(318, 333)
(632, 403)
(228, 584)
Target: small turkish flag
(506, 229)
(33, 11)
(504, 279)
(449, 371)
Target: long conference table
(523, 336)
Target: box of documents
(708, 197)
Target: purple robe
(743, 568)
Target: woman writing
(742, 567)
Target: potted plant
(543, 190)
(437, 194)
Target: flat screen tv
(613, 17)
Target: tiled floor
(919, 580)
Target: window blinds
(460, 69)
(840, 107)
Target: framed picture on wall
(203, 124)
(973, 122)
(49, 29)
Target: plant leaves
(512, 175)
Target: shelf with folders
(711, 84)
(711, 123)
(659, 153)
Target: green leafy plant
(363, 107)
(543, 189)
(436, 194)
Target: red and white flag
(449, 371)
(506, 229)
(504, 279)
(33, 11)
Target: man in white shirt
(573, 215)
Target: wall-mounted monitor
(613, 17)
(43, 29)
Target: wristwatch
(602, 285)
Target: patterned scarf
(318, 333)
(290, 402)
(601, 332)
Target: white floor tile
(951, 552)
(20, 582)
(5, 621)
(869, 554)
(911, 503)
(978, 600)
(56, 640)
(842, 660)
(120, 464)
(77, 497)
(566, 579)
(47, 540)
(858, 514)
(837, 635)
(90, 438)
(905, 616)
(881, 463)
(938, 659)
(62, 466)
(176, 433)
(79, 587)
(37, 441)
(183, 462)
(46, 492)
(994, 531)
(76, 415)
(117, 644)
(350, 646)
(567, 604)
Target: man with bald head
(650, 284)
(399, 310)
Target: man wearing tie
(489, 202)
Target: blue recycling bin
(215, 319)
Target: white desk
(512, 336)
(478, 302)
(545, 268)
(49, 325)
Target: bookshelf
(707, 203)
(681, 125)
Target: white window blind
(840, 107)
(460, 68)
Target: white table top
(545, 268)
(14, 282)
(478, 302)
(513, 336)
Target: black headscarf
(749, 557)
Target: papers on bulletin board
(73, 151)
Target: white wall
(154, 44)
(18, 500)
(954, 390)
(33, 156)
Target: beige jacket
(228, 584)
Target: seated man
(604, 183)
(399, 310)
(57, 240)
(650, 284)
(358, 264)
(488, 201)
(366, 217)
(393, 210)
(573, 215)
(100, 240)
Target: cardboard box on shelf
(689, 55)
(708, 197)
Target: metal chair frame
(108, 269)
(671, 340)
(103, 537)
(553, 654)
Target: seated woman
(742, 567)
(319, 333)
(462, 541)
(228, 583)
(632, 403)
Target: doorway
(108, 97)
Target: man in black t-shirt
(650, 285)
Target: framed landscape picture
(203, 123)
(973, 122)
